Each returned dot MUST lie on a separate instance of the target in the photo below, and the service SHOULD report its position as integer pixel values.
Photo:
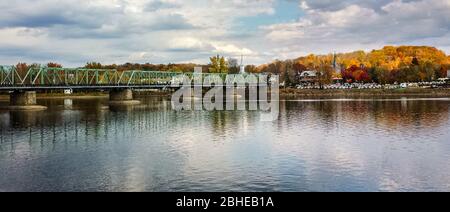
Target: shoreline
(58, 96)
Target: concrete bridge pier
(122, 97)
(24, 100)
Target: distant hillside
(389, 64)
(389, 57)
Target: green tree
(223, 65)
(382, 75)
(290, 73)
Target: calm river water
(316, 145)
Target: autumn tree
(251, 69)
(387, 65)
(54, 65)
(356, 74)
(275, 67)
(299, 67)
(22, 69)
(93, 65)
(218, 65)
(324, 74)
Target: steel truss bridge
(45, 78)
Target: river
(400, 144)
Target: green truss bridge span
(44, 78)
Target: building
(68, 91)
(242, 69)
(308, 77)
(242, 66)
(312, 76)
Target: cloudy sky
(73, 32)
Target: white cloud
(163, 31)
(188, 44)
(121, 30)
(231, 49)
(349, 25)
(287, 31)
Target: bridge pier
(24, 100)
(122, 97)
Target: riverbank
(361, 93)
(87, 95)
(90, 95)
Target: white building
(242, 66)
(68, 91)
(308, 77)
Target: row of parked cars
(344, 86)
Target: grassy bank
(356, 93)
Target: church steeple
(334, 61)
